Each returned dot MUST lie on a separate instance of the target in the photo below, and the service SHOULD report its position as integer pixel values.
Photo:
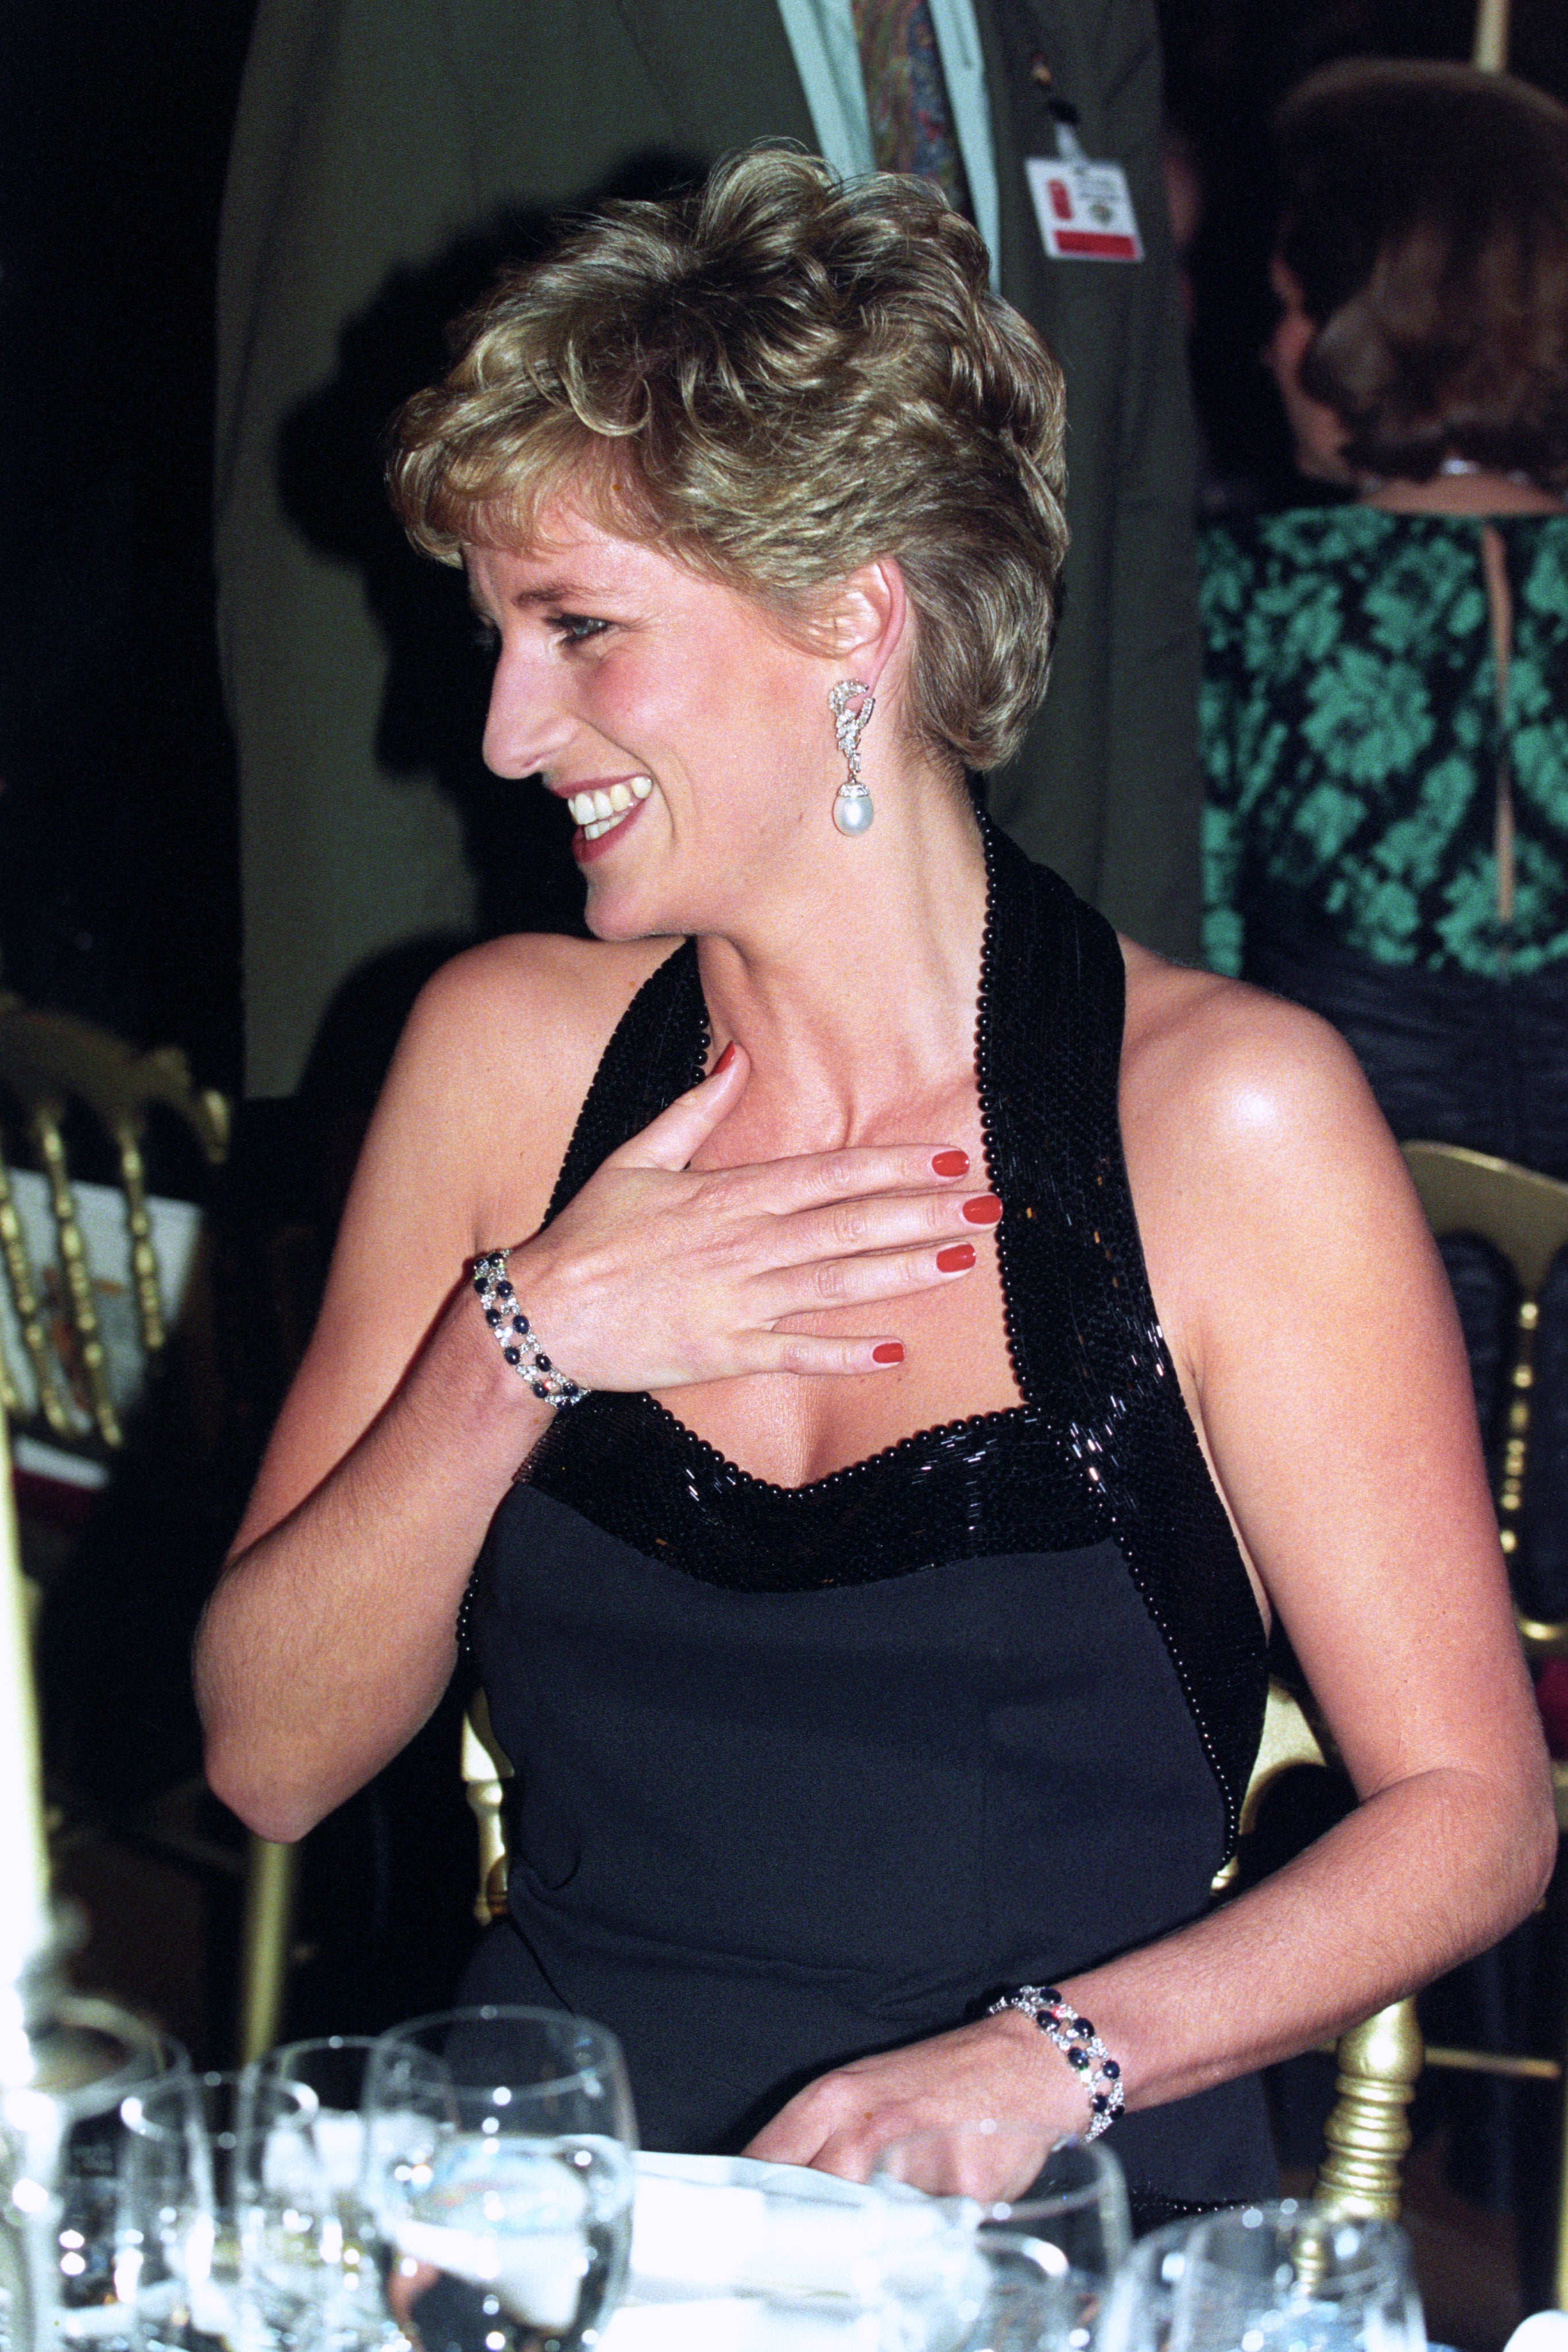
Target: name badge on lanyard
(1085, 208)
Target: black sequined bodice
(1102, 1445)
(808, 1772)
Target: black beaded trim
(1152, 2211)
(1102, 1448)
(656, 1053)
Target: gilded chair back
(487, 1769)
(1524, 1217)
(49, 1061)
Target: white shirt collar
(821, 34)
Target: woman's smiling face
(689, 735)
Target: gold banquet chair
(89, 1304)
(1524, 1217)
(487, 1769)
(96, 1277)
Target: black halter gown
(808, 1772)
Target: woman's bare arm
(1312, 1324)
(329, 1638)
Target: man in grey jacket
(373, 142)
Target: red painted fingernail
(725, 1059)
(985, 1209)
(957, 1258)
(950, 1163)
(888, 1351)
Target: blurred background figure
(1385, 716)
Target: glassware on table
(1067, 2206)
(334, 2267)
(209, 2214)
(83, 2305)
(498, 2168)
(1267, 2278)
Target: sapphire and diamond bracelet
(515, 1336)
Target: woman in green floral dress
(1384, 710)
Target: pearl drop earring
(852, 810)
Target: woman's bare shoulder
(488, 1077)
(513, 996)
(1257, 1156)
(1214, 1070)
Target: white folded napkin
(740, 2256)
(714, 2223)
(1543, 2331)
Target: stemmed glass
(331, 2267)
(1052, 2244)
(83, 2306)
(498, 2168)
(1268, 2278)
(206, 2169)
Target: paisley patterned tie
(911, 123)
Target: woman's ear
(865, 621)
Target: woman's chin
(614, 915)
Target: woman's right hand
(658, 1274)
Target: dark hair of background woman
(1425, 215)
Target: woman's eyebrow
(552, 592)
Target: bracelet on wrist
(1079, 2044)
(516, 1336)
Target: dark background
(119, 882)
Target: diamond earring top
(851, 705)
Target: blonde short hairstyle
(776, 379)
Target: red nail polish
(888, 1351)
(985, 1209)
(950, 1163)
(725, 1059)
(957, 1258)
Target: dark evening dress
(809, 1772)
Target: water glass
(209, 2212)
(1287, 2277)
(1053, 2223)
(333, 2268)
(83, 2305)
(498, 2168)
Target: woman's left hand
(1001, 2068)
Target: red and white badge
(1084, 209)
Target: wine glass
(1287, 2277)
(206, 2201)
(498, 2167)
(83, 2303)
(333, 2268)
(1053, 2241)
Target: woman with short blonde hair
(888, 1345)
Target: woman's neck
(1477, 491)
(863, 1005)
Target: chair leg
(270, 1872)
(1367, 2134)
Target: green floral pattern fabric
(1350, 737)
